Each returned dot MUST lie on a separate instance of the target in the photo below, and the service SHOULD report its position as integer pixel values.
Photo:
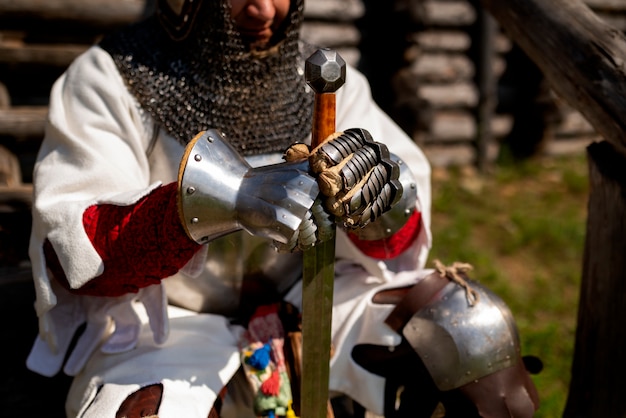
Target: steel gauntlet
(361, 182)
(219, 193)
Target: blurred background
(510, 181)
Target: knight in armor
(174, 193)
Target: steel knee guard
(465, 346)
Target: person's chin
(258, 43)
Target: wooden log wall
(444, 69)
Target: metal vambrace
(219, 193)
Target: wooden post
(597, 384)
(486, 86)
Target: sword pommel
(325, 71)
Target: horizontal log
(573, 125)
(453, 127)
(442, 68)
(455, 41)
(11, 196)
(330, 35)
(501, 125)
(463, 154)
(23, 121)
(457, 126)
(569, 146)
(58, 55)
(452, 13)
(453, 155)
(334, 10)
(448, 96)
(443, 40)
(109, 12)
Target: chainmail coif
(211, 80)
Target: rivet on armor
(194, 220)
(191, 190)
(197, 157)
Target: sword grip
(323, 118)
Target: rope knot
(453, 273)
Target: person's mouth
(256, 33)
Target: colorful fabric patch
(263, 361)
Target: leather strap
(506, 393)
(415, 298)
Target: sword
(325, 72)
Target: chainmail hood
(211, 79)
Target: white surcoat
(99, 148)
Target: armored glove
(219, 193)
(356, 176)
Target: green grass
(522, 227)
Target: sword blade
(317, 302)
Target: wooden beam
(105, 11)
(53, 54)
(607, 5)
(581, 56)
(597, 384)
(26, 121)
(11, 196)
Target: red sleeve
(394, 245)
(139, 244)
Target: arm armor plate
(459, 343)
(220, 193)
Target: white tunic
(94, 152)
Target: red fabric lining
(394, 245)
(139, 244)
